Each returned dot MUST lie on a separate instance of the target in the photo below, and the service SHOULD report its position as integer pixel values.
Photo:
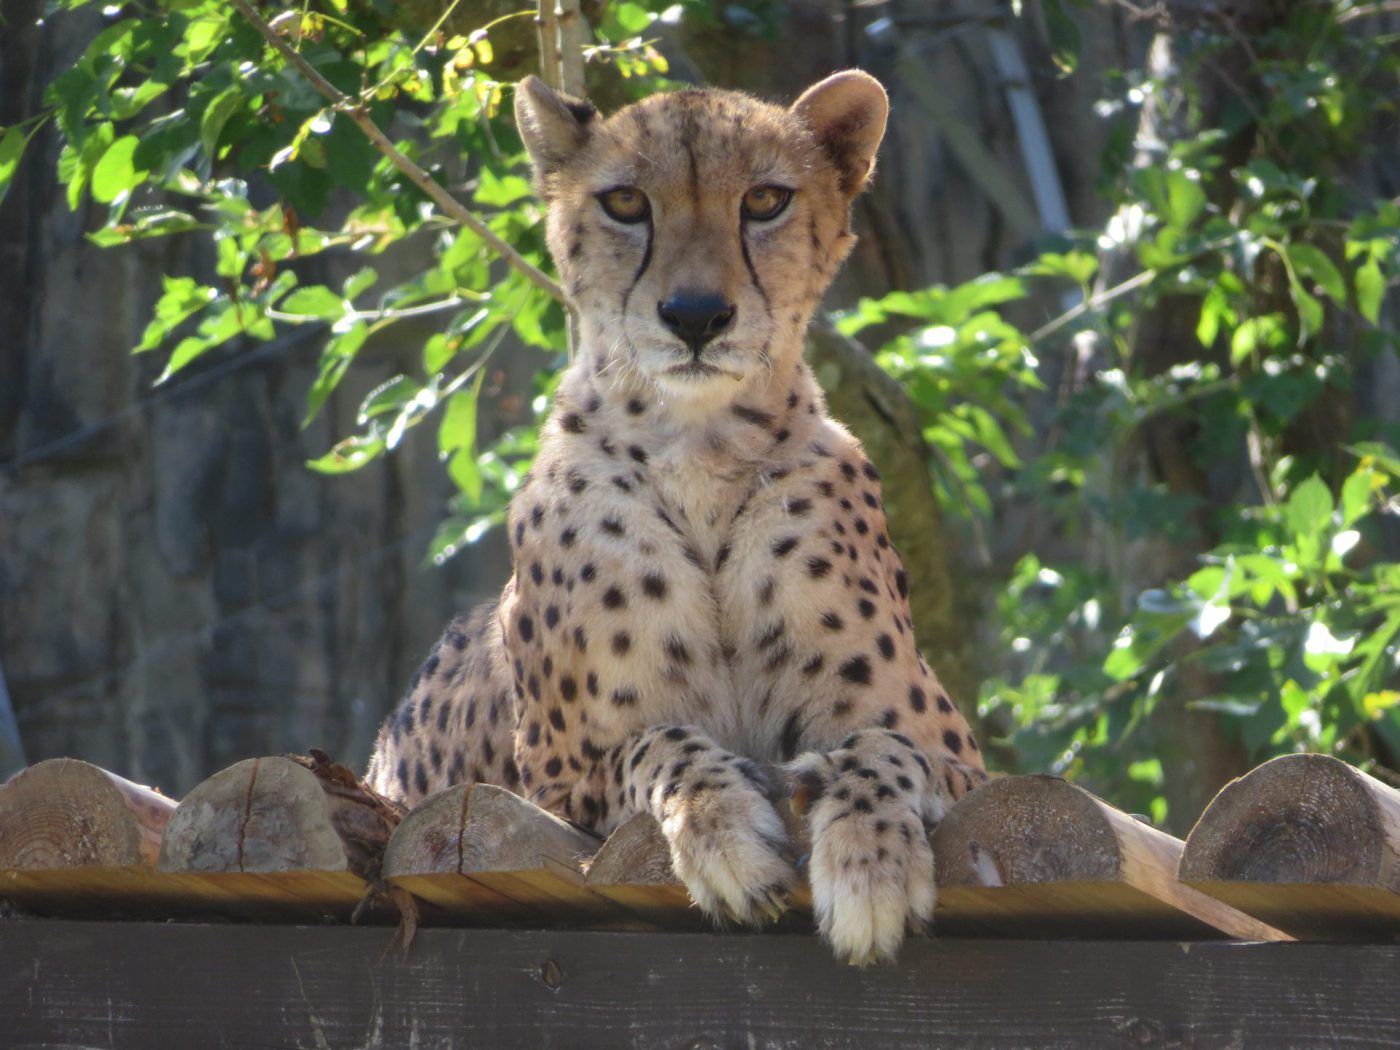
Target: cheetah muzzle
(704, 589)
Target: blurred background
(1119, 332)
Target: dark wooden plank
(113, 986)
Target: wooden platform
(298, 909)
(140, 986)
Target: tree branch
(571, 27)
(547, 22)
(355, 110)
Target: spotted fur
(704, 586)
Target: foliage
(182, 120)
(1248, 220)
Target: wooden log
(634, 869)
(65, 813)
(1035, 855)
(1307, 843)
(77, 840)
(280, 836)
(483, 854)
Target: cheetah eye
(625, 204)
(765, 202)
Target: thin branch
(450, 303)
(1385, 7)
(1051, 327)
(357, 112)
(571, 33)
(547, 23)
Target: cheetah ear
(846, 114)
(552, 125)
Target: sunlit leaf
(1370, 290)
(350, 454)
(117, 173)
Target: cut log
(76, 840)
(636, 854)
(482, 853)
(1307, 843)
(1034, 855)
(280, 834)
(633, 869)
(283, 813)
(65, 813)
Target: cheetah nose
(696, 317)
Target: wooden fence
(512, 925)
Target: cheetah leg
(728, 844)
(869, 804)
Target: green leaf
(146, 222)
(633, 18)
(1215, 308)
(1185, 198)
(336, 358)
(314, 300)
(116, 173)
(1310, 261)
(466, 474)
(500, 192)
(350, 454)
(457, 431)
(75, 165)
(1256, 334)
(1295, 702)
(211, 125)
(1078, 266)
(388, 397)
(1356, 495)
(182, 298)
(185, 352)
(1310, 313)
(1370, 290)
(1309, 509)
(358, 282)
(11, 150)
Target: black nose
(697, 317)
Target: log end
(66, 813)
(1307, 819)
(1025, 830)
(636, 854)
(471, 828)
(259, 815)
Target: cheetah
(704, 592)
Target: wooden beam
(1037, 855)
(1307, 843)
(114, 986)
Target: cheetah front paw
(871, 867)
(729, 847)
(728, 844)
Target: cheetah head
(696, 231)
